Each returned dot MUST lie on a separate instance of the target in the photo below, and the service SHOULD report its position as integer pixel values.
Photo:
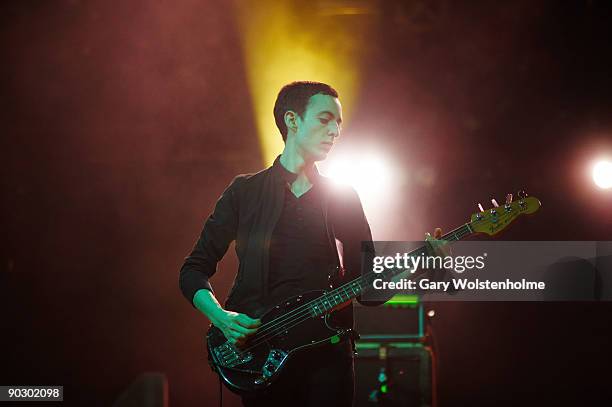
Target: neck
(295, 162)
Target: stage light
(369, 174)
(372, 176)
(602, 174)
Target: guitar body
(261, 360)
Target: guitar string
(462, 231)
(292, 318)
(295, 319)
(295, 322)
(319, 304)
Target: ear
(291, 120)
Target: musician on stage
(291, 227)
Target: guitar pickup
(229, 356)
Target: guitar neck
(355, 287)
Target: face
(319, 127)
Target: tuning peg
(522, 194)
(479, 215)
(494, 202)
(508, 205)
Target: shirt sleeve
(219, 231)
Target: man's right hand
(235, 326)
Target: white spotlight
(373, 177)
(368, 174)
(339, 170)
(602, 174)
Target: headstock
(494, 220)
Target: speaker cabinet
(393, 374)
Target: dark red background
(123, 121)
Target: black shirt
(300, 256)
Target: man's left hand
(435, 245)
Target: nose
(334, 129)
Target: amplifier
(394, 365)
(399, 319)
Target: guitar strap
(336, 269)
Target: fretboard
(352, 289)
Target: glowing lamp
(602, 174)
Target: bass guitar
(303, 321)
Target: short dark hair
(295, 96)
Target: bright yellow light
(602, 174)
(288, 41)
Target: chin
(319, 156)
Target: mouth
(328, 145)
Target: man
(286, 221)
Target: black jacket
(247, 212)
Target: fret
(315, 309)
(346, 293)
(323, 304)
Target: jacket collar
(289, 177)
